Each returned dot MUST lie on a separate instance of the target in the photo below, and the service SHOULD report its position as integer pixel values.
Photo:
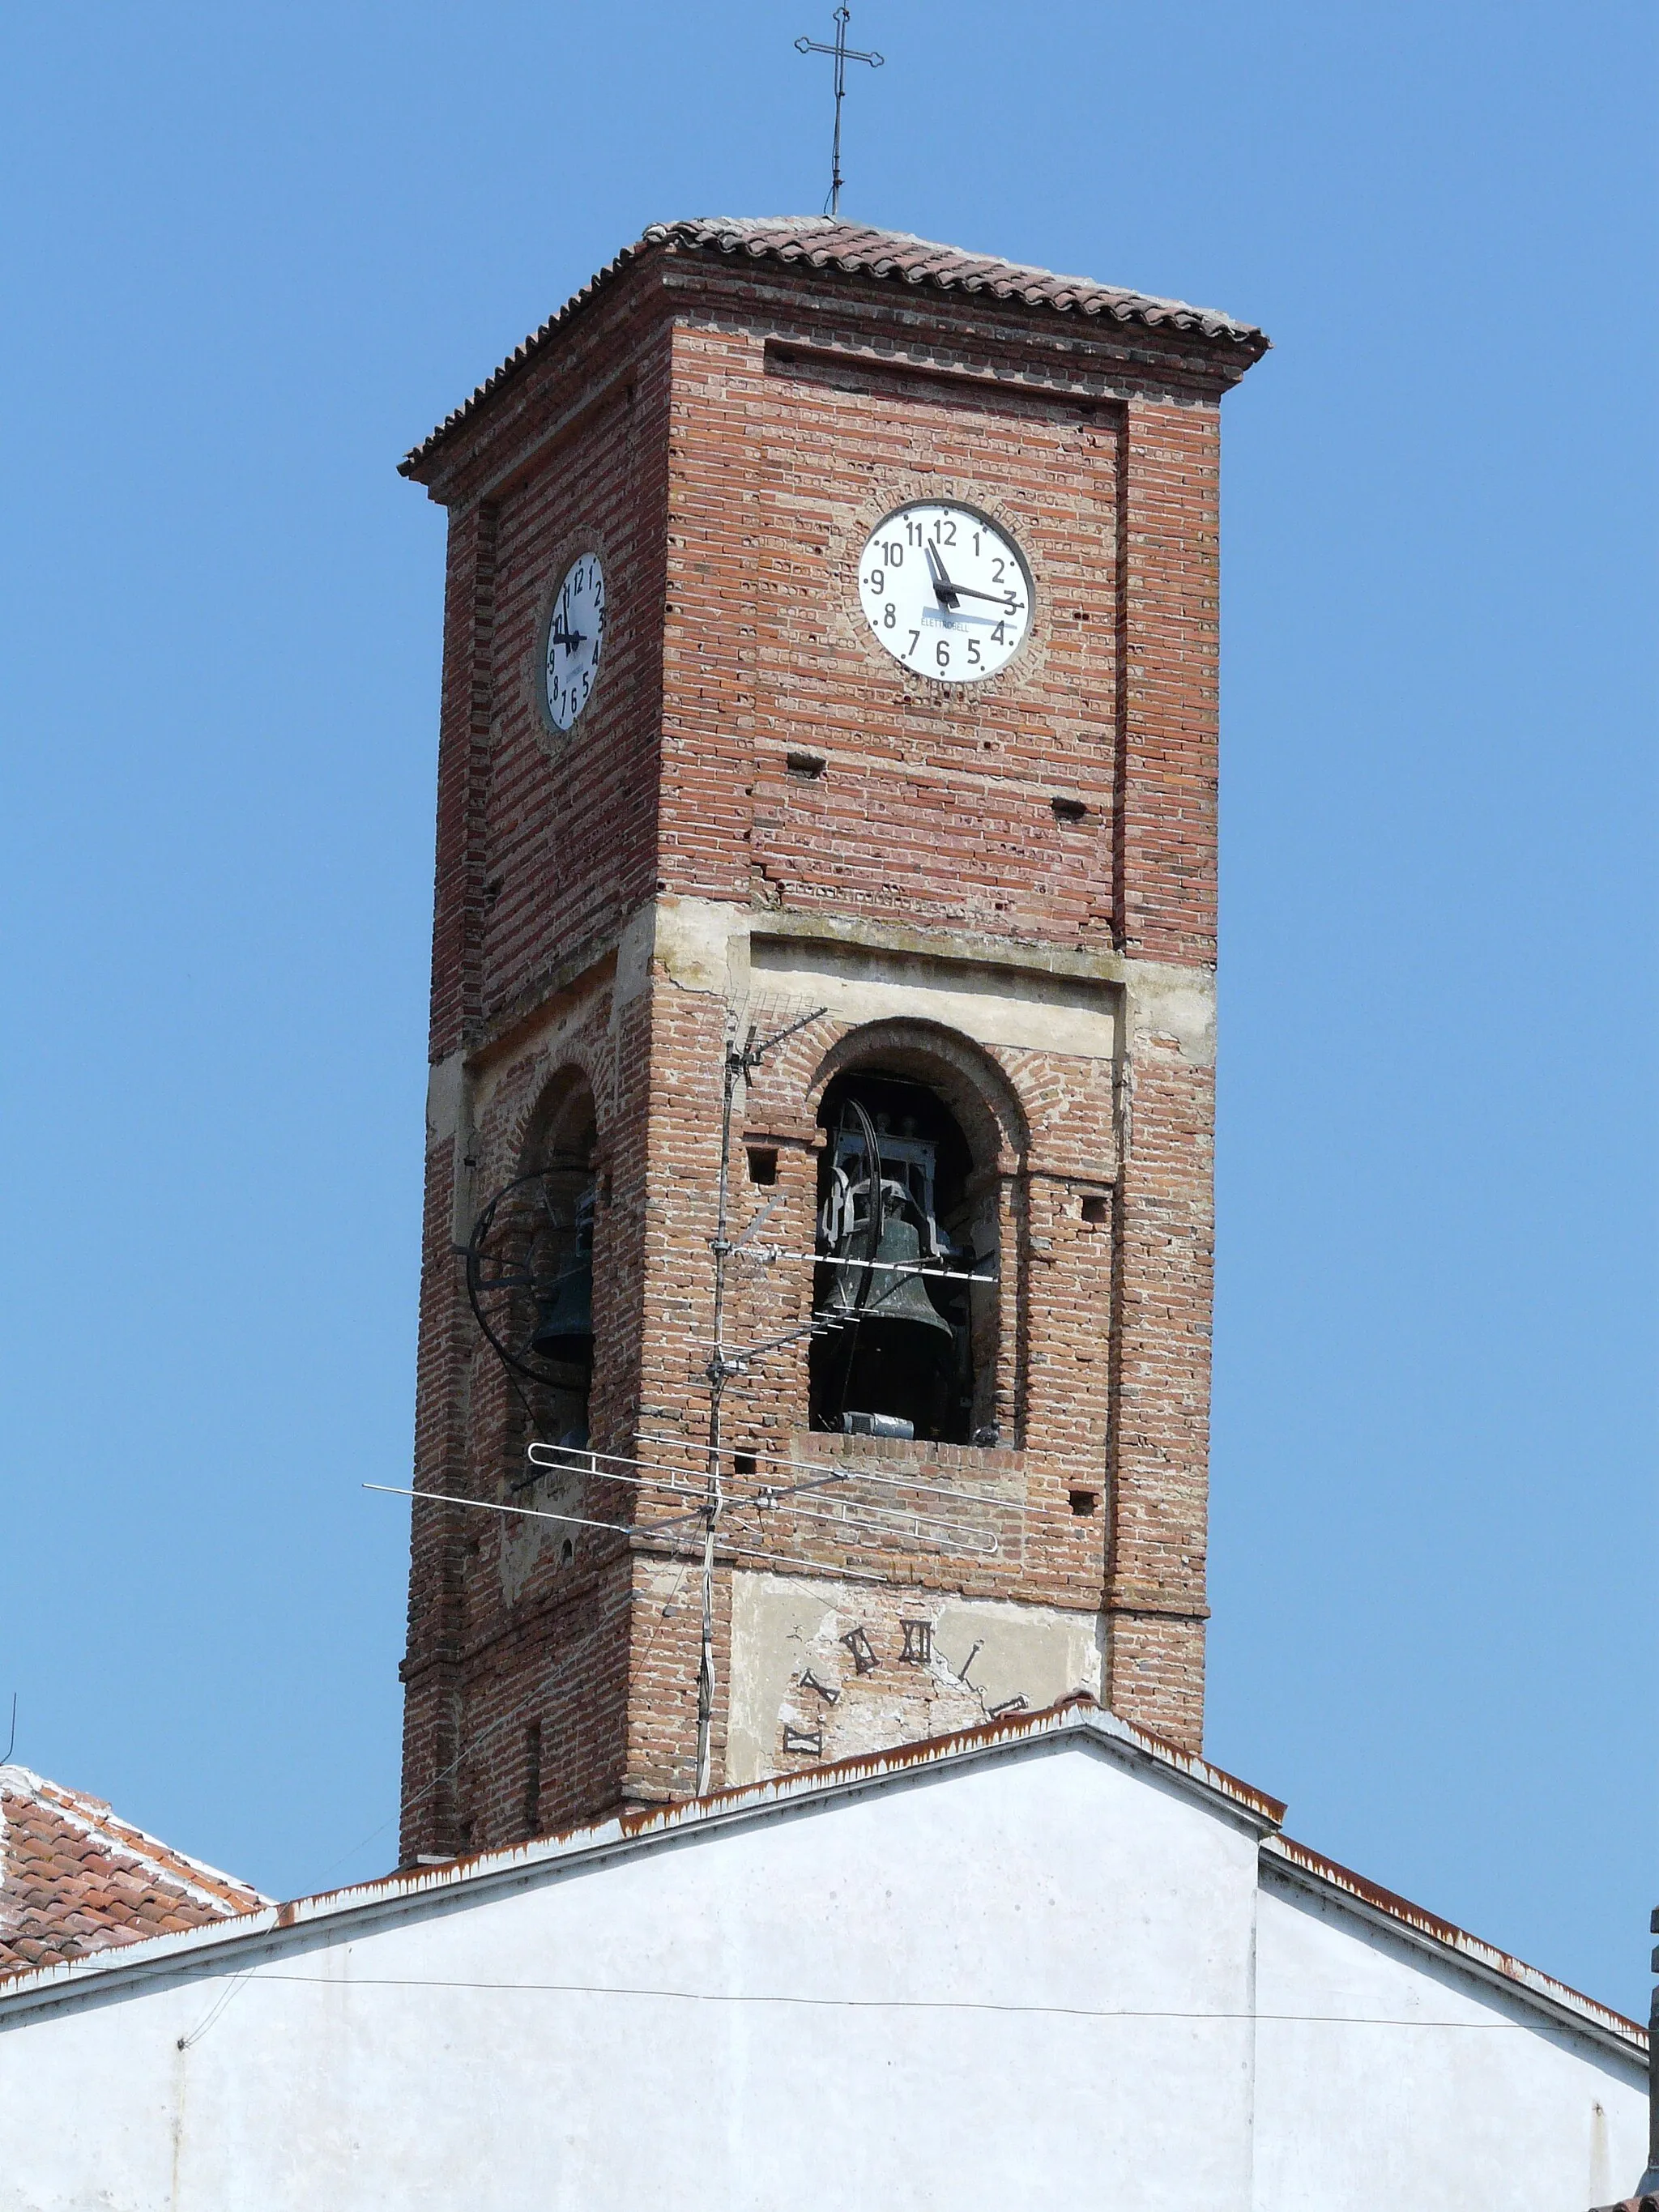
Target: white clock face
(947, 591)
(574, 636)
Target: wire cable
(871, 2004)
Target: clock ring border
(568, 549)
(1009, 537)
(905, 488)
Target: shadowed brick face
(761, 814)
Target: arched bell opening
(560, 1338)
(530, 1272)
(906, 1259)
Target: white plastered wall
(1419, 2082)
(1028, 1976)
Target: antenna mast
(843, 53)
(740, 1063)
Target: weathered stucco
(984, 1658)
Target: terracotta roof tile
(856, 250)
(75, 1878)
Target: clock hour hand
(572, 638)
(943, 589)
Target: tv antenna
(843, 53)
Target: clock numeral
(809, 1681)
(1001, 568)
(877, 581)
(914, 534)
(890, 617)
(915, 640)
(942, 653)
(1008, 1705)
(999, 635)
(918, 1641)
(865, 1660)
(973, 652)
(893, 554)
(807, 1741)
(946, 523)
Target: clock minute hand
(997, 599)
(572, 638)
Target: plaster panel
(824, 1670)
(1073, 1015)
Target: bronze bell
(886, 1301)
(564, 1324)
(895, 1301)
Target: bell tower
(815, 1317)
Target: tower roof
(855, 249)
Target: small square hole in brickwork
(1068, 810)
(1084, 1501)
(744, 1463)
(763, 1164)
(1094, 1211)
(809, 767)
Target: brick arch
(976, 1091)
(560, 1102)
(972, 1083)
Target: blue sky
(252, 254)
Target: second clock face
(945, 592)
(574, 636)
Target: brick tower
(827, 788)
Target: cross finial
(843, 53)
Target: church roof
(1077, 1721)
(75, 1879)
(855, 249)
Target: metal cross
(843, 54)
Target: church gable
(1049, 1959)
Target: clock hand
(943, 589)
(943, 574)
(573, 638)
(1005, 599)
